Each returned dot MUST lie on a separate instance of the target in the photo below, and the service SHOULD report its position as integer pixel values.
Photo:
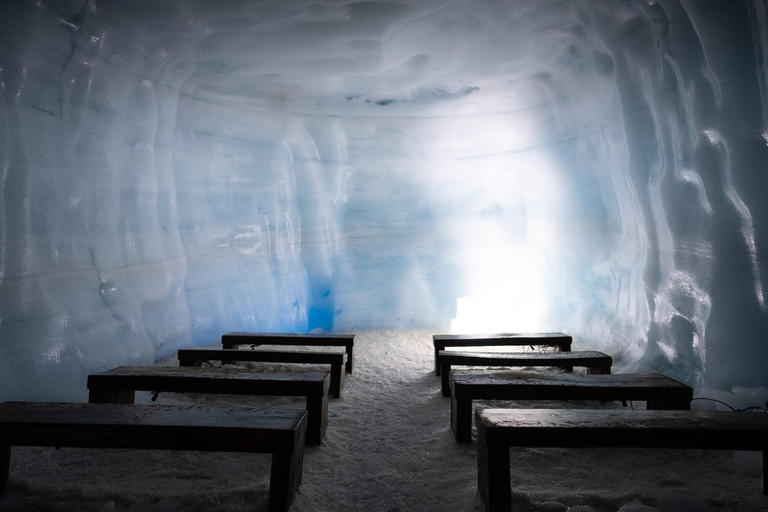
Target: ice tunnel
(175, 170)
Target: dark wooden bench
(337, 360)
(500, 429)
(158, 427)
(595, 362)
(235, 339)
(118, 386)
(551, 339)
(658, 391)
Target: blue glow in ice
(170, 173)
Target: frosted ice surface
(172, 172)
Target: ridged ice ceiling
(175, 170)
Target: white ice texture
(170, 171)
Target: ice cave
(174, 170)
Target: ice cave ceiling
(175, 170)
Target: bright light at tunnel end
(487, 314)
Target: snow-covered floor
(389, 447)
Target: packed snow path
(388, 448)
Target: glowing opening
(513, 261)
(509, 296)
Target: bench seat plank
(558, 340)
(235, 339)
(658, 391)
(160, 427)
(337, 360)
(595, 362)
(119, 384)
(500, 429)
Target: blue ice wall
(174, 170)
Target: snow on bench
(551, 339)
(336, 359)
(235, 339)
(500, 429)
(118, 386)
(658, 391)
(159, 427)
(595, 362)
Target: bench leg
(437, 361)
(5, 465)
(286, 474)
(189, 362)
(317, 418)
(566, 348)
(493, 477)
(337, 378)
(112, 396)
(461, 419)
(350, 358)
(445, 381)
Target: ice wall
(175, 170)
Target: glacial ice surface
(173, 171)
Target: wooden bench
(235, 339)
(595, 362)
(500, 429)
(658, 391)
(337, 360)
(118, 386)
(552, 339)
(158, 427)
